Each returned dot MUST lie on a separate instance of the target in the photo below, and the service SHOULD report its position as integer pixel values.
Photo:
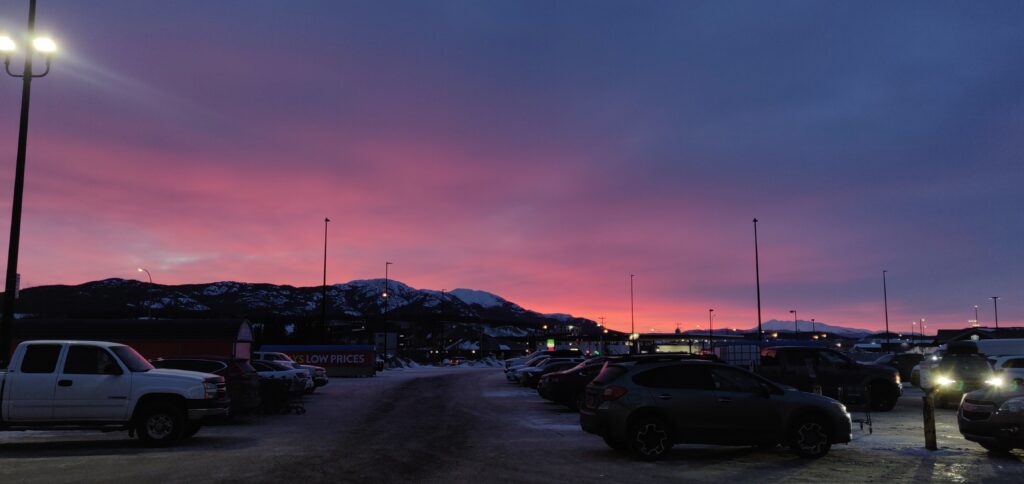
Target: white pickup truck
(71, 385)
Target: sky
(542, 151)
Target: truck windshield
(132, 359)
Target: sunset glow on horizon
(539, 151)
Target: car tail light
(613, 393)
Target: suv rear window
(609, 373)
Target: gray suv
(645, 405)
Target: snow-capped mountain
(352, 300)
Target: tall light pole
(813, 329)
(885, 305)
(149, 308)
(632, 319)
(995, 308)
(384, 315)
(796, 328)
(977, 322)
(711, 330)
(45, 47)
(323, 298)
(757, 278)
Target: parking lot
(471, 425)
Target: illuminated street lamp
(149, 307)
(796, 328)
(46, 48)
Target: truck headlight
(1013, 405)
(996, 381)
(944, 380)
(210, 390)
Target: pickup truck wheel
(809, 438)
(160, 424)
(883, 397)
(649, 439)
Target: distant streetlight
(385, 313)
(976, 320)
(813, 329)
(995, 308)
(632, 318)
(149, 307)
(885, 305)
(757, 279)
(323, 298)
(46, 48)
(796, 328)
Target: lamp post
(384, 315)
(885, 305)
(45, 47)
(757, 278)
(813, 328)
(796, 328)
(977, 322)
(995, 308)
(632, 319)
(323, 298)
(149, 308)
(711, 330)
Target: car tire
(883, 397)
(160, 424)
(649, 438)
(809, 437)
(997, 447)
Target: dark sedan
(243, 384)
(993, 417)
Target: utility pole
(711, 330)
(757, 277)
(632, 319)
(385, 314)
(323, 298)
(796, 327)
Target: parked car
(243, 383)
(838, 376)
(958, 374)
(902, 362)
(274, 370)
(521, 360)
(646, 406)
(517, 376)
(318, 374)
(98, 385)
(567, 386)
(530, 376)
(993, 418)
(510, 373)
(1010, 368)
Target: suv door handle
(64, 383)
(665, 396)
(724, 400)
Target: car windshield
(965, 366)
(132, 359)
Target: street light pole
(885, 305)
(813, 329)
(385, 314)
(995, 304)
(757, 278)
(711, 330)
(149, 308)
(632, 319)
(46, 47)
(977, 322)
(323, 298)
(796, 327)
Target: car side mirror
(112, 369)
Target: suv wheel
(649, 439)
(810, 438)
(160, 424)
(883, 397)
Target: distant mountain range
(360, 299)
(354, 300)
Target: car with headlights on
(993, 417)
(645, 406)
(958, 374)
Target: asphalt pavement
(453, 425)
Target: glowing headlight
(1014, 405)
(943, 380)
(995, 381)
